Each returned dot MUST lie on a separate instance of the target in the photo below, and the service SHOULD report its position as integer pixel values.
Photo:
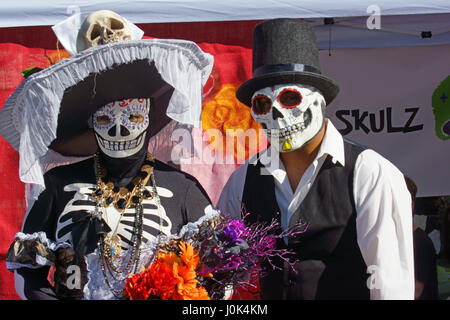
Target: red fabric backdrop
(13, 59)
(21, 48)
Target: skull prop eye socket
(95, 32)
(261, 104)
(116, 24)
(289, 98)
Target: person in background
(443, 260)
(424, 257)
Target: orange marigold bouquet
(172, 276)
(208, 258)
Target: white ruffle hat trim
(29, 117)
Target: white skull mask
(290, 114)
(120, 127)
(102, 27)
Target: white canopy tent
(31, 12)
(403, 22)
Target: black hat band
(282, 67)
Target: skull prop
(120, 127)
(102, 27)
(290, 114)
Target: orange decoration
(235, 130)
(56, 56)
(170, 277)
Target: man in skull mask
(106, 210)
(353, 201)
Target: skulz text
(379, 121)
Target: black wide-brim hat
(51, 108)
(285, 51)
(137, 79)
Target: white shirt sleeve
(230, 200)
(384, 227)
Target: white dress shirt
(383, 207)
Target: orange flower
(188, 254)
(168, 259)
(157, 280)
(186, 281)
(228, 116)
(187, 286)
(170, 277)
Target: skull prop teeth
(290, 114)
(102, 27)
(120, 127)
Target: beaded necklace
(106, 195)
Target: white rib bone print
(82, 201)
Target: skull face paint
(120, 127)
(290, 114)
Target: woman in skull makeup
(97, 214)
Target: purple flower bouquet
(233, 253)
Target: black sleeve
(195, 202)
(41, 217)
(35, 285)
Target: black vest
(330, 264)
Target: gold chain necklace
(121, 198)
(106, 194)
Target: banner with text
(397, 102)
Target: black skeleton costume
(65, 210)
(103, 214)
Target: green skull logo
(441, 109)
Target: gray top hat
(285, 51)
